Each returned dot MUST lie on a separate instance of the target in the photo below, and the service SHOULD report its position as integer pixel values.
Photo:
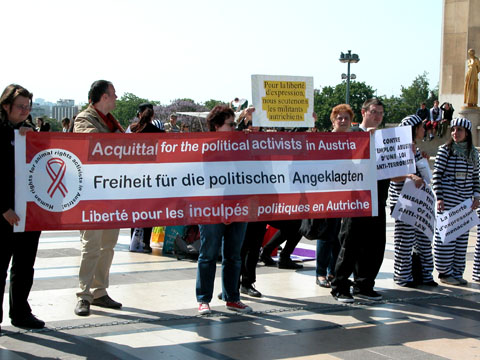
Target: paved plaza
(295, 319)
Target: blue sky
(163, 50)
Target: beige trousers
(96, 259)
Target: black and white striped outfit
(476, 256)
(455, 179)
(158, 124)
(406, 237)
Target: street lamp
(348, 58)
(352, 76)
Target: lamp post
(348, 58)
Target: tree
(55, 125)
(433, 95)
(396, 108)
(328, 97)
(127, 106)
(416, 93)
(182, 105)
(210, 104)
(179, 105)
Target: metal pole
(348, 58)
(347, 100)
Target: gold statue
(471, 80)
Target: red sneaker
(204, 308)
(238, 306)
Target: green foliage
(396, 108)
(327, 98)
(127, 106)
(433, 96)
(188, 100)
(210, 104)
(415, 94)
(55, 125)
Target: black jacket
(7, 163)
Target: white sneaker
(204, 308)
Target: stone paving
(295, 319)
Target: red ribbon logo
(56, 176)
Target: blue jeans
(230, 239)
(325, 259)
(327, 248)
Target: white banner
(416, 207)
(87, 181)
(282, 101)
(393, 150)
(456, 221)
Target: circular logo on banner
(55, 179)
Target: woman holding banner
(407, 237)
(18, 247)
(455, 179)
(328, 244)
(226, 236)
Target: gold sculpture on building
(471, 80)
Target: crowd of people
(344, 249)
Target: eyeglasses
(375, 112)
(23, 107)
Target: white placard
(282, 101)
(394, 153)
(416, 207)
(424, 168)
(456, 221)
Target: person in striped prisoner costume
(455, 179)
(406, 236)
(476, 256)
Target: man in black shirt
(361, 253)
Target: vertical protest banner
(416, 207)
(282, 101)
(94, 181)
(394, 153)
(456, 221)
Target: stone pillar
(472, 114)
(461, 31)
